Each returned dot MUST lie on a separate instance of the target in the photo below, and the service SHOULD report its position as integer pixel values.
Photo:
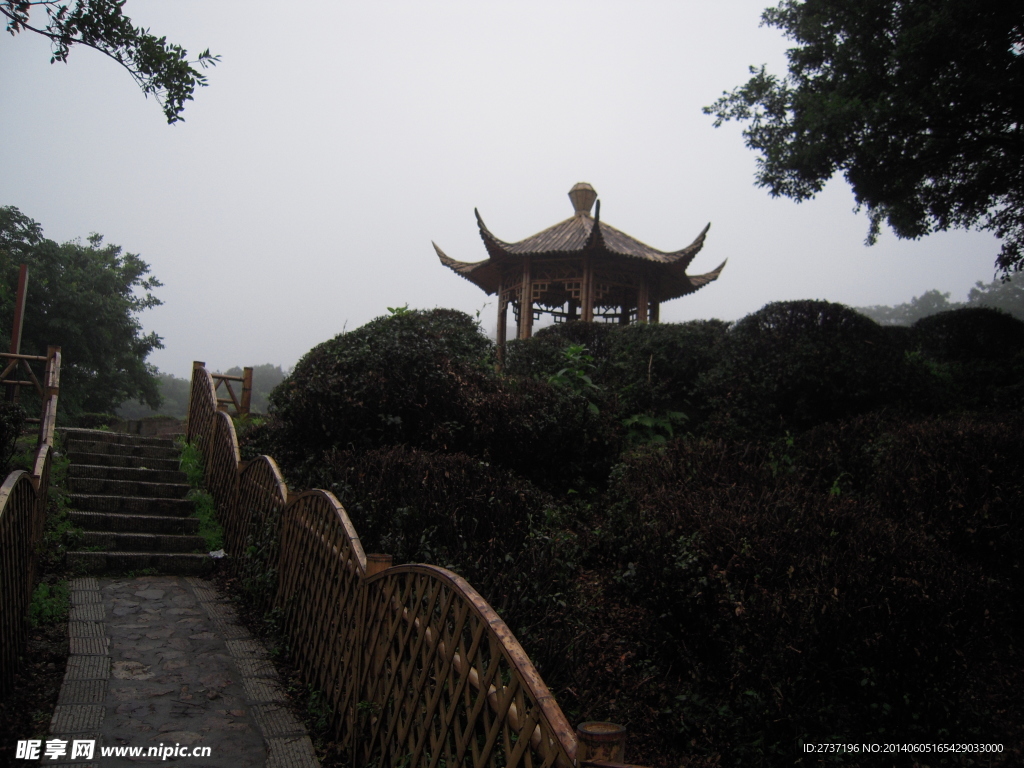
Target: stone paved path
(162, 661)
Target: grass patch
(50, 604)
(203, 508)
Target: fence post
(243, 407)
(605, 742)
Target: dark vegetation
(734, 539)
(86, 299)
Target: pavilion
(580, 269)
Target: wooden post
(18, 325)
(525, 329)
(642, 300)
(600, 741)
(502, 324)
(655, 311)
(243, 408)
(376, 563)
(587, 297)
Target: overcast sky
(336, 140)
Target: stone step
(98, 563)
(89, 485)
(75, 447)
(130, 505)
(128, 474)
(112, 521)
(121, 438)
(115, 541)
(115, 460)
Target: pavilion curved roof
(579, 234)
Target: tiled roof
(584, 233)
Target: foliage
(928, 303)
(160, 68)
(192, 464)
(85, 299)
(12, 420)
(918, 104)
(50, 604)
(1007, 295)
(981, 350)
(828, 599)
(576, 374)
(648, 428)
(655, 367)
(425, 379)
(104, 421)
(794, 364)
(203, 507)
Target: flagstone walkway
(161, 661)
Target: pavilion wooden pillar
(643, 300)
(525, 329)
(502, 323)
(655, 311)
(587, 290)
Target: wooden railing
(22, 515)
(418, 669)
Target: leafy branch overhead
(920, 105)
(160, 68)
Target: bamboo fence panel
(321, 568)
(19, 510)
(262, 496)
(202, 405)
(222, 460)
(446, 683)
(416, 666)
(23, 498)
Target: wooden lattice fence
(418, 669)
(23, 497)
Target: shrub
(12, 421)
(655, 367)
(424, 380)
(980, 350)
(791, 609)
(795, 364)
(453, 510)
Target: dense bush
(980, 350)
(656, 367)
(425, 380)
(795, 364)
(486, 523)
(836, 558)
(792, 613)
(12, 420)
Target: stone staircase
(129, 498)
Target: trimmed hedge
(875, 604)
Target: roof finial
(583, 197)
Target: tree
(999, 294)
(160, 68)
(919, 104)
(928, 303)
(85, 299)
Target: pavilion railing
(23, 497)
(418, 669)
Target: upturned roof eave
(481, 273)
